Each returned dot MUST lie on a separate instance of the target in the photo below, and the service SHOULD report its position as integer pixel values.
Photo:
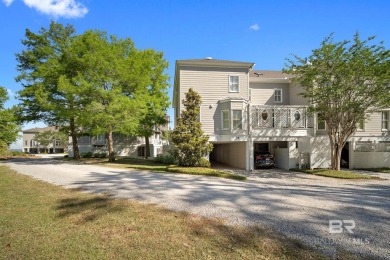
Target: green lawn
(151, 165)
(384, 169)
(336, 174)
(42, 221)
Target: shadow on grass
(86, 209)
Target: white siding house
(246, 111)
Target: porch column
(249, 154)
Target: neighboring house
(246, 111)
(124, 146)
(31, 146)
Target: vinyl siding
(263, 93)
(212, 84)
(295, 98)
(372, 126)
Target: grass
(151, 165)
(383, 169)
(42, 221)
(336, 174)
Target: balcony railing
(281, 117)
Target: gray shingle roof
(267, 74)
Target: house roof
(215, 62)
(40, 129)
(275, 76)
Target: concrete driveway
(295, 204)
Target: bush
(86, 155)
(165, 158)
(203, 162)
(15, 153)
(100, 155)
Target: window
(321, 125)
(233, 84)
(225, 119)
(278, 96)
(57, 143)
(360, 125)
(25, 143)
(237, 119)
(385, 120)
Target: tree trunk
(336, 156)
(73, 134)
(111, 155)
(147, 147)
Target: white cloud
(56, 8)
(8, 2)
(254, 27)
(10, 92)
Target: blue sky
(263, 32)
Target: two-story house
(125, 146)
(246, 111)
(30, 145)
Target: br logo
(336, 226)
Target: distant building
(31, 146)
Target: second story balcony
(281, 120)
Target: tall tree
(48, 73)
(190, 143)
(126, 87)
(344, 81)
(156, 98)
(9, 126)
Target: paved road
(298, 205)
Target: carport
(229, 153)
(279, 149)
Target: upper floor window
(225, 119)
(57, 143)
(321, 125)
(385, 120)
(25, 143)
(360, 125)
(237, 119)
(233, 84)
(278, 96)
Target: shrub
(100, 155)
(86, 155)
(165, 158)
(16, 153)
(203, 162)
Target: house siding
(212, 84)
(372, 126)
(263, 93)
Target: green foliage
(190, 144)
(344, 81)
(87, 155)
(165, 158)
(48, 72)
(91, 82)
(9, 126)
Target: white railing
(281, 117)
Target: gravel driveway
(295, 204)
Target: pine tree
(190, 143)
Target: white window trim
(233, 119)
(281, 95)
(238, 84)
(222, 120)
(388, 120)
(324, 129)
